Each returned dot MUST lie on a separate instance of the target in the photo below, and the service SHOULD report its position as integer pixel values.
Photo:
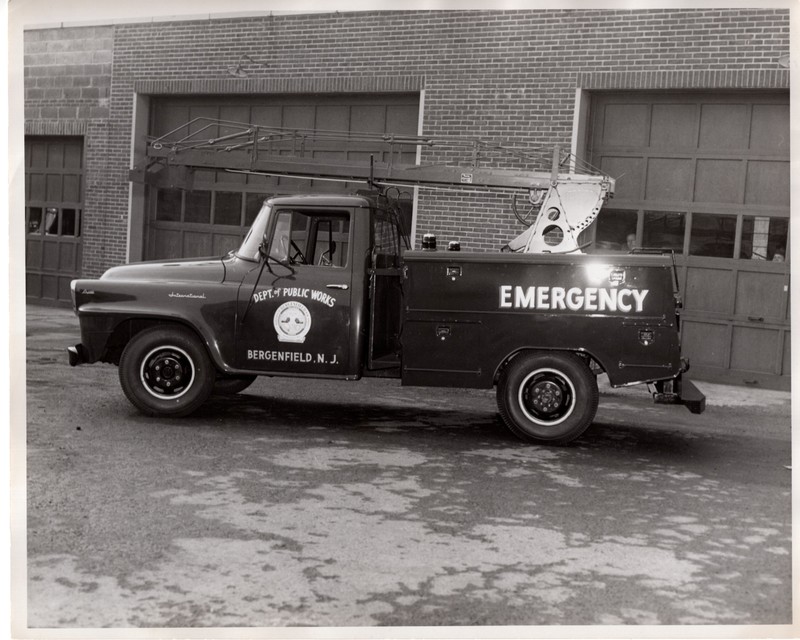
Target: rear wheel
(229, 385)
(166, 372)
(547, 398)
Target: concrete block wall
(67, 75)
(493, 74)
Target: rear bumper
(680, 390)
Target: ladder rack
(571, 199)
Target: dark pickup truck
(322, 287)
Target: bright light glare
(597, 272)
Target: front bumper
(76, 355)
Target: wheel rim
(167, 372)
(547, 397)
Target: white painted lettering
(624, 306)
(575, 299)
(505, 296)
(542, 297)
(524, 298)
(607, 301)
(590, 301)
(639, 296)
(322, 297)
(558, 294)
(572, 299)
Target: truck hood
(192, 270)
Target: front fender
(108, 320)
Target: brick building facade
(534, 77)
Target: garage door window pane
(198, 207)
(712, 235)
(764, 238)
(34, 219)
(51, 221)
(228, 208)
(613, 229)
(69, 223)
(168, 205)
(664, 230)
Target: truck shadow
(347, 418)
(451, 429)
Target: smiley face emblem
(292, 322)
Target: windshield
(249, 248)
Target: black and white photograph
(400, 321)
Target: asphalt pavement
(331, 504)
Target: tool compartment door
(443, 335)
(297, 314)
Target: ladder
(560, 202)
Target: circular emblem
(292, 322)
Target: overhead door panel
(770, 128)
(707, 176)
(334, 118)
(673, 126)
(214, 217)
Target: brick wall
(510, 74)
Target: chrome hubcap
(167, 372)
(547, 397)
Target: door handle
(336, 286)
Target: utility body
(323, 286)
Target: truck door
(294, 311)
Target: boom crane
(560, 202)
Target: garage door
(213, 218)
(707, 175)
(53, 211)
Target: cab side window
(311, 238)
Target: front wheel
(547, 398)
(166, 372)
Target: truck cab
(314, 290)
(320, 291)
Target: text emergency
(572, 299)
